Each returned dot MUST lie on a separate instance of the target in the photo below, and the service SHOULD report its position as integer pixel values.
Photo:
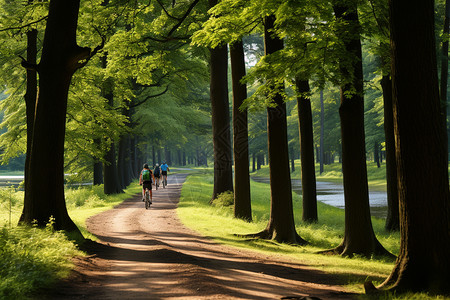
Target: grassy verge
(217, 222)
(32, 258)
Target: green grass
(218, 223)
(32, 258)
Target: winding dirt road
(149, 254)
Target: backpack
(156, 172)
(146, 175)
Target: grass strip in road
(218, 223)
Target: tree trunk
(423, 264)
(242, 201)
(121, 168)
(281, 225)
(253, 162)
(444, 65)
(392, 219)
(305, 124)
(223, 173)
(60, 59)
(133, 157)
(30, 103)
(98, 167)
(292, 155)
(376, 153)
(359, 237)
(322, 131)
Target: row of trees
(302, 42)
(132, 68)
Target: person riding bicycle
(164, 168)
(145, 179)
(157, 174)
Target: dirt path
(149, 254)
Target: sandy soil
(149, 254)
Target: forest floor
(149, 254)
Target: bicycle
(147, 199)
(164, 181)
(157, 182)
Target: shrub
(224, 199)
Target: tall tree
(392, 217)
(30, 100)
(61, 57)
(242, 201)
(223, 173)
(378, 23)
(110, 171)
(359, 237)
(309, 197)
(444, 63)
(281, 226)
(423, 263)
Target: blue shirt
(164, 167)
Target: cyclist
(145, 179)
(164, 169)
(157, 174)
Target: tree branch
(165, 10)
(191, 7)
(24, 26)
(149, 97)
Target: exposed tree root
(344, 250)
(267, 234)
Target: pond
(333, 194)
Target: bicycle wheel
(147, 199)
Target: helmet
(157, 165)
(145, 166)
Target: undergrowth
(32, 258)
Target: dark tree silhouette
(223, 173)
(30, 103)
(110, 171)
(281, 226)
(392, 218)
(61, 57)
(421, 151)
(359, 237)
(242, 201)
(309, 196)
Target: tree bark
(30, 103)
(444, 66)
(359, 237)
(60, 59)
(223, 173)
(420, 140)
(110, 174)
(322, 132)
(98, 167)
(392, 218)
(376, 153)
(242, 201)
(281, 226)
(307, 152)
